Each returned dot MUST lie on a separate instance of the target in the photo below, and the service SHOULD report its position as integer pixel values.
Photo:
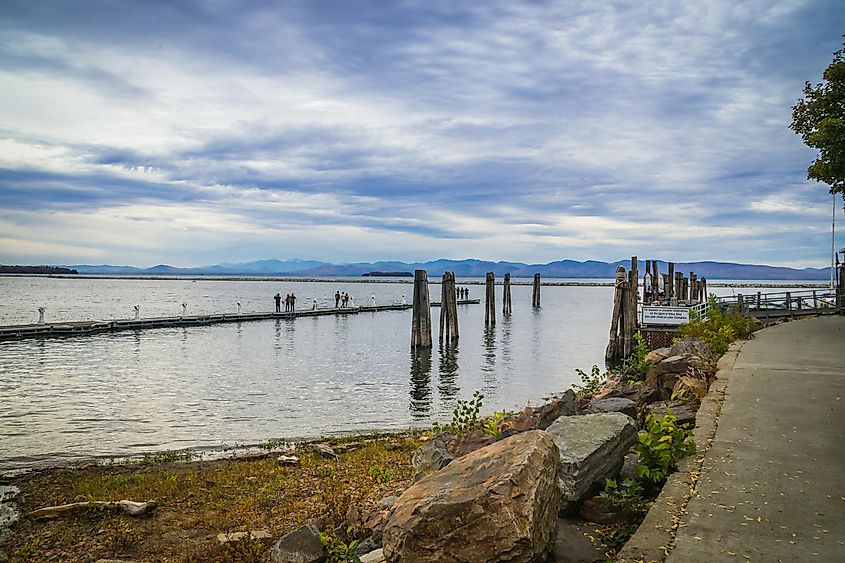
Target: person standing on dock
(287, 302)
(278, 298)
(292, 302)
(336, 299)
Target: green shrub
(491, 425)
(381, 474)
(464, 417)
(591, 382)
(626, 497)
(339, 551)
(635, 367)
(720, 329)
(660, 445)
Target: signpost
(672, 316)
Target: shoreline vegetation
(576, 282)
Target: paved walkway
(772, 486)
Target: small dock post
(615, 345)
(670, 282)
(490, 300)
(421, 318)
(448, 308)
(535, 296)
(506, 296)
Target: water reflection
(447, 386)
(420, 392)
(507, 359)
(488, 354)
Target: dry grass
(198, 500)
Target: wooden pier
(60, 329)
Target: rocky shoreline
(530, 484)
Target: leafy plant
(338, 550)
(491, 425)
(635, 366)
(626, 497)
(591, 382)
(464, 417)
(660, 445)
(720, 329)
(381, 474)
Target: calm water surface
(160, 389)
(134, 392)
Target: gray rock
(691, 347)
(629, 467)
(563, 405)
(300, 546)
(613, 404)
(432, 456)
(684, 412)
(499, 503)
(324, 451)
(367, 546)
(663, 375)
(387, 502)
(640, 394)
(592, 447)
(376, 556)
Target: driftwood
(130, 507)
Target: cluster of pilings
(421, 319)
(672, 288)
(669, 289)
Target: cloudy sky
(192, 133)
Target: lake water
(133, 392)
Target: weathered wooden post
(704, 295)
(647, 284)
(421, 317)
(655, 279)
(506, 296)
(678, 286)
(740, 301)
(693, 289)
(633, 301)
(615, 345)
(448, 308)
(490, 300)
(535, 296)
(670, 282)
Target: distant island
(388, 274)
(8, 269)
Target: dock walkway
(772, 485)
(82, 328)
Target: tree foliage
(819, 117)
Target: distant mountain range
(462, 268)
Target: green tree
(819, 117)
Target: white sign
(665, 315)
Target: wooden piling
(506, 296)
(448, 308)
(535, 296)
(615, 345)
(421, 318)
(655, 280)
(704, 295)
(633, 302)
(693, 288)
(670, 282)
(490, 300)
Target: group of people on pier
(290, 302)
(463, 292)
(341, 300)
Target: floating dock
(84, 328)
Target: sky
(198, 132)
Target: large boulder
(691, 347)
(683, 411)
(464, 444)
(499, 503)
(613, 404)
(432, 455)
(564, 405)
(640, 394)
(592, 447)
(303, 545)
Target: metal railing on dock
(785, 303)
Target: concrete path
(772, 487)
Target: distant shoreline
(599, 282)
